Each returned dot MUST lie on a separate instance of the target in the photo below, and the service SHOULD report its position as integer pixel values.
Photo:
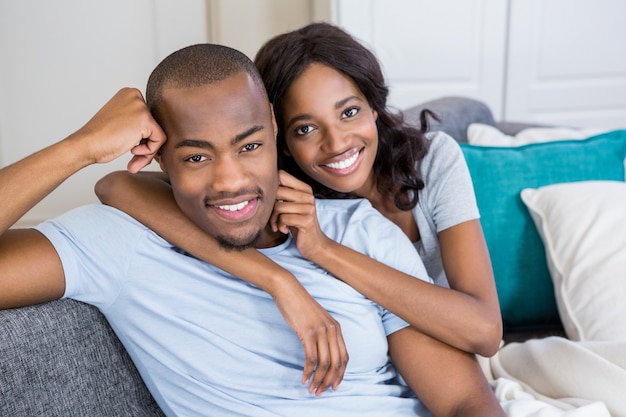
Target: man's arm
(447, 380)
(30, 270)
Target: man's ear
(159, 158)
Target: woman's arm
(448, 381)
(148, 198)
(467, 317)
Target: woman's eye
(351, 112)
(196, 158)
(250, 147)
(303, 130)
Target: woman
(336, 134)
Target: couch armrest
(63, 359)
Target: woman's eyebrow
(298, 118)
(343, 102)
(307, 116)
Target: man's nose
(229, 174)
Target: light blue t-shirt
(207, 343)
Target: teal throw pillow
(499, 174)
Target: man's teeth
(234, 207)
(345, 163)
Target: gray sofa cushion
(455, 113)
(63, 359)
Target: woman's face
(330, 129)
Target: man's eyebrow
(204, 144)
(247, 133)
(194, 143)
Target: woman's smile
(346, 163)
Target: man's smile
(236, 211)
(234, 207)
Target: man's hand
(325, 351)
(123, 124)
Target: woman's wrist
(325, 252)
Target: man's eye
(303, 130)
(351, 112)
(250, 147)
(196, 158)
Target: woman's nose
(335, 140)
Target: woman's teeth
(234, 207)
(345, 163)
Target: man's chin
(238, 244)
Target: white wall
(61, 60)
(543, 60)
(246, 24)
(430, 49)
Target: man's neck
(269, 238)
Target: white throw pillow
(486, 135)
(583, 227)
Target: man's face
(220, 157)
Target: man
(205, 342)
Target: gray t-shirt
(446, 200)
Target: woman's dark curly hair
(283, 58)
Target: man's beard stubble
(231, 244)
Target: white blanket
(561, 378)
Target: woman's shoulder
(443, 150)
(438, 140)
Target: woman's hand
(325, 351)
(318, 331)
(295, 211)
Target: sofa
(517, 170)
(62, 359)
(457, 116)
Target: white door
(567, 62)
(433, 48)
